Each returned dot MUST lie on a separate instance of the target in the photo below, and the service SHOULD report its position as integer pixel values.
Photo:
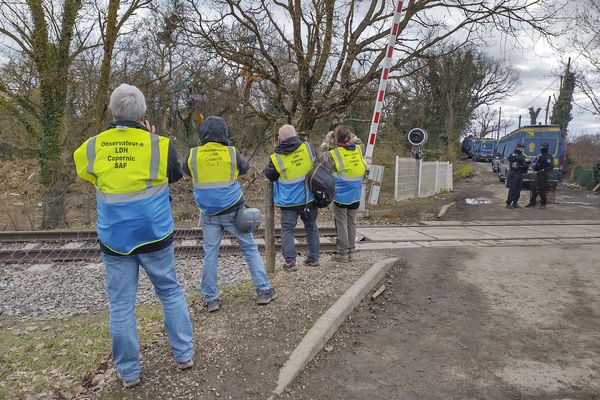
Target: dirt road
(570, 202)
(475, 323)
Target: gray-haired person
(131, 168)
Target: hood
(288, 145)
(214, 129)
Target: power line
(555, 79)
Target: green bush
(463, 173)
(596, 174)
(583, 177)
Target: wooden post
(269, 227)
(269, 207)
(547, 109)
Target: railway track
(55, 246)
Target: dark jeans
(289, 219)
(540, 187)
(515, 182)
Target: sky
(539, 67)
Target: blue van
(474, 144)
(466, 144)
(498, 155)
(532, 136)
(484, 150)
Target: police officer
(518, 167)
(214, 167)
(544, 164)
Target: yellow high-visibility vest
(295, 166)
(349, 164)
(123, 160)
(213, 165)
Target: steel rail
(196, 233)
(93, 253)
(85, 235)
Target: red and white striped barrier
(387, 62)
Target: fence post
(418, 171)
(397, 179)
(436, 187)
(269, 227)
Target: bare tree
(314, 59)
(585, 38)
(485, 122)
(46, 34)
(52, 35)
(111, 21)
(463, 81)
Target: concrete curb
(324, 328)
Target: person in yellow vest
(346, 160)
(288, 168)
(131, 168)
(214, 167)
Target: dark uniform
(544, 164)
(518, 167)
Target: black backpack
(321, 183)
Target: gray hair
(286, 131)
(127, 102)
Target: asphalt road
(474, 323)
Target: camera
(417, 137)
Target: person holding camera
(518, 166)
(214, 167)
(131, 168)
(288, 167)
(346, 160)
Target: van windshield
(487, 145)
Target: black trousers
(515, 183)
(540, 187)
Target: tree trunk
(52, 169)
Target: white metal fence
(435, 177)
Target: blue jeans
(122, 274)
(212, 232)
(289, 219)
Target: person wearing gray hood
(214, 167)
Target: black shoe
(529, 205)
(213, 305)
(543, 206)
(515, 205)
(509, 206)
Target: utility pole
(547, 109)
(499, 119)
(519, 121)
